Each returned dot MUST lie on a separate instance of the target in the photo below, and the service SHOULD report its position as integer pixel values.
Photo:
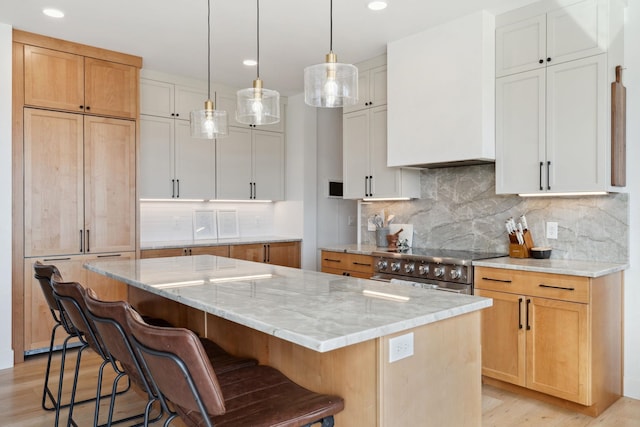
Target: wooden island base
(439, 385)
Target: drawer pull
(362, 263)
(519, 313)
(109, 256)
(56, 259)
(496, 280)
(332, 260)
(556, 287)
(528, 325)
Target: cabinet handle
(81, 107)
(366, 188)
(370, 185)
(489, 279)
(264, 253)
(519, 313)
(87, 108)
(548, 59)
(556, 287)
(109, 256)
(541, 165)
(177, 114)
(81, 245)
(173, 188)
(528, 325)
(178, 185)
(549, 175)
(189, 251)
(88, 249)
(268, 253)
(173, 114)
(541, 61)
(254, 191)
(332, 260)
(56, 259)
(362, 263)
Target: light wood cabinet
(347, 264)
(37, 317)
(83, 84)
(250, 165)
(557, 335)
(218, 250)
(286, 254)
(90, 161)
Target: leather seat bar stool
(184, 379)
(43, 274)
(70, 296)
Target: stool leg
(46, 392)
(75, 384)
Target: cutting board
(618, 131)
(407, 232)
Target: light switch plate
(370, 225)
(552, 230)
(400, 347)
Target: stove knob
(439, 271)
(382, 265)
(395, 267)
(456, 273)
(423, 269)
(409, 268)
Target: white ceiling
(170, 36)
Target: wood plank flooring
(21, 394)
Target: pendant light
(257, 105)
(209, 123)
(331, 84)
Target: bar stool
(253, 396)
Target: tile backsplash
(460, 210)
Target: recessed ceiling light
(250, 62)
(53, 13)
(377, 5)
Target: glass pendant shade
(209, 123)
(258, 106)
(331, 84)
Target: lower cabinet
(38, 321)
(278, 253)
(222, 250)
(347, 264)
(556, 334)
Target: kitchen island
(328, 333)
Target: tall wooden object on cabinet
(173, 165)
(364, 139)
(555, 337)
(553, 104)
(74, 146)
(250, 161)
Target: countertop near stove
(555, 266)
(354, 249)
(316, 310)
(216, 242)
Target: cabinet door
(378, 86)
(363, 93)
(156, 98)
(558, 356)
(161, 253)
(268, 165)
(355, 140)
(384, 181)
(110, 185)
(503, 337)
(520, 133)
(576, 31)
(577, 125)
(233, 165)
(187, 100)
(286, 254)
(211, 250)
(521, 46)
(253, 252)
(194, 164)
(111, 89)
(156, 158)
(53, 183)
(53, 79)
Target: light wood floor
(21, 394)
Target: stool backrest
(71, 297)
(178, 365)
(44, 273)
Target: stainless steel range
(447, 270)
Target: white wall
(6, 352)
(631, 79)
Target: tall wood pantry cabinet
(75, 113)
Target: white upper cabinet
(553, 119)
(165, 99)
(372, 85)
(561, 35)
(441, 95)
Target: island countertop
(320, 311)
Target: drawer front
(360, 263)
(544, 285)
(334, 260)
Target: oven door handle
(453, 291)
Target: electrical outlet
(400, 347)
(370, 225)
(552, 230)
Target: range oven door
(457, 288)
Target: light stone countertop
(555, 266)
(316, 310)
(216, 242)
(353, 249)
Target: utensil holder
(381, 237)
(517, 250)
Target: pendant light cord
(258, 38)
(209, 49)
(331, 26)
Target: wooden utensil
(618, 131)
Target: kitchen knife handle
(528, 325)
(549, 175)
(519, 313)
(541, 165)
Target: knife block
(516, 250)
